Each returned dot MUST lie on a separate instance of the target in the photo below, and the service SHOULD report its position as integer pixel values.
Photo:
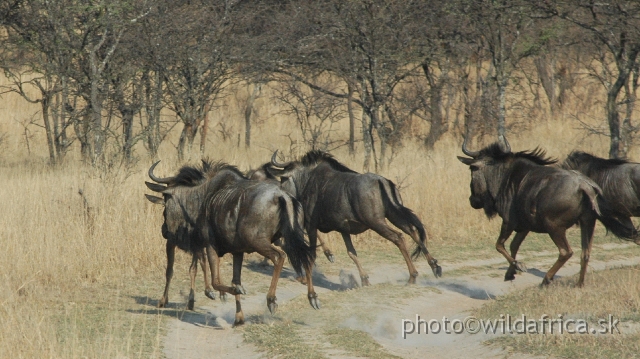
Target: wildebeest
(262, 174)
(335, 198)
(188, 244)
(619, 180)
(220, 210)
(530, 196)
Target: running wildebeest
(187, 243)
(335, 198)
(222, 211)
(262, 174)
(619, 180)
(530, 196)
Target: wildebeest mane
(315, 157)
(537, 155)
(576, 158)
(191, 176)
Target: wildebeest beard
(488, 204)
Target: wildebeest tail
(403, 215)
(604, 213)
(301, 255)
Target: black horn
(274, 161)
(157, 179)
(473, 154)
(504, 144)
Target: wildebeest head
(488, 167)
(295, 174)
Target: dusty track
(207, 333)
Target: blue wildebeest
(262, 174)
(530, 196)
(189, 243)
(619, 180)
(335, 198)
(221, 211)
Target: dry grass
(610, 292)
(75, 281)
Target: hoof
(330, 256)
(272, 305)
(509, 277)
(190, 304)
(210, 294)
(223, 297)
(238, 321)
(162, 303)
(313, 300)
(239, 289)
(365, 281)
(437, 271)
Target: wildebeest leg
(208, 290)
(171, 255)
(586, 232)
(395, 237)
(560, 239)
(237, 271)
(214, 264)
(277, 256)
(364, 277)
(505, 233)
(311, 293)
(515, 266)
(413, 233)
(193, 271)
(326, 250)
(239, 320)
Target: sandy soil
(207, 332)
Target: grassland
(80, 273)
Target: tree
(615, 26)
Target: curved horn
(504, 144)
(274, 161)
(473, 154)
(157, 179)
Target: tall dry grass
(72, 272)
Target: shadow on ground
(175, 310)
(319, 279)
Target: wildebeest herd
(214, 209)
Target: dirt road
(377, 310)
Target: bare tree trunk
(96, 122)
(247, 113)
(352, 120)
(548, 81)
(55, 118)
(153, 106)
(61, 136)
(205, 129)
(127, 132)
(502, 111)
(187, 136)
(613, 120)
(45, 103)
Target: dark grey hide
(619, 180)
(335, 198)
(262, 174)
(530, 196)
(184, 237)
(218, 209)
